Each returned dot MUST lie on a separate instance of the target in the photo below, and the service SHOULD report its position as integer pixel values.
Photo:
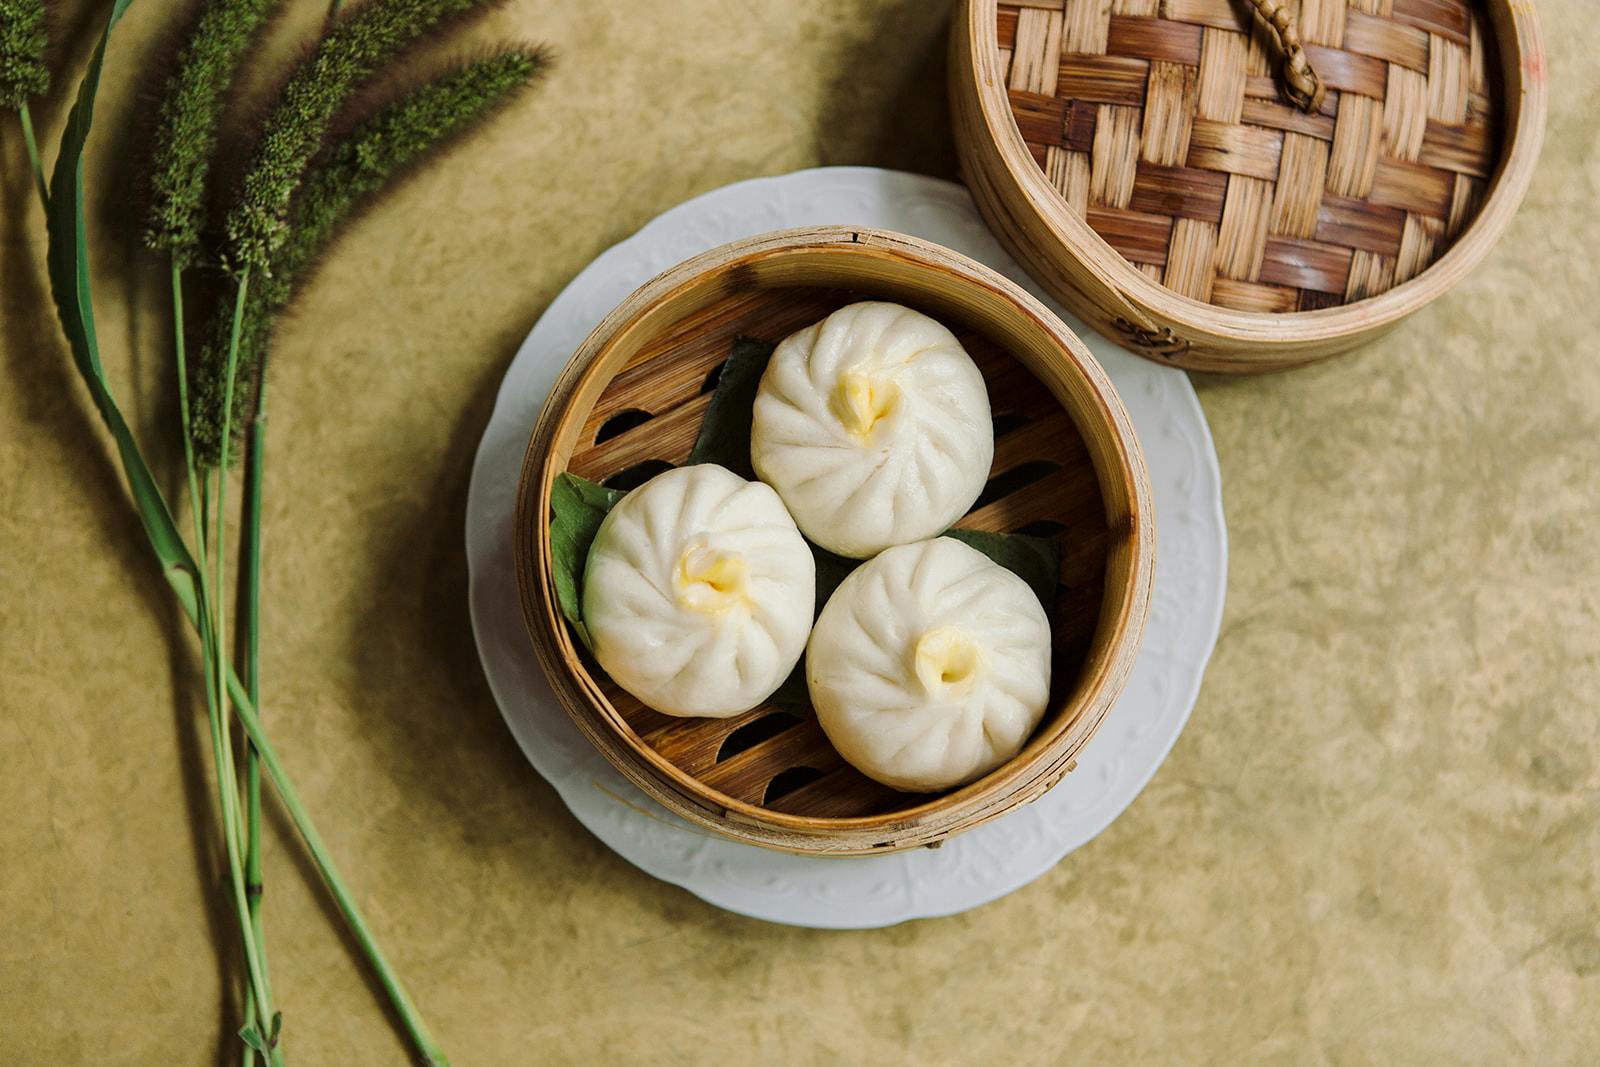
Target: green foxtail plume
(346, 179)
(22, 43)
(353, 50)
(186, 132)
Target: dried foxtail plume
(186, 131)
(346, 179)
(22, 43)
(353, 50)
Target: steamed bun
(929, 666)
(873, 426)
(699, 592)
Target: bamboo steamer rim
(1046, 757)
(1149, 305)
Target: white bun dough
(929, 666)
(699, 592)
(873, 426)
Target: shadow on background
(893, 114)
(454, 719)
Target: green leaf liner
(724, 437)
(578, 505)
(70, 285)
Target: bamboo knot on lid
(1301, 84)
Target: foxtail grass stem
(260, 996)
(244, 698)
(220, 526)
(195, 508)
(250, 625)
(227, 781)
(219, 621)
(259, 1002)
(250, 546)
(244, 708)
(415, 1028)
(33, 155)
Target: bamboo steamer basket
(630, 403)
(1247, 185)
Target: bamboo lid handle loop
(1301, 84)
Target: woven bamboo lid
(1165, 125)
(1254, 157)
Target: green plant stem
(70, 287)
(195, 509)
(260, 998)
(250, 625)
(258, 1009)
(205, 520)
(415, 1027)
(220, 526)
(250, 930)
(334, 9)
(244, 708)
(33, 155)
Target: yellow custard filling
(948, 662)
(711, 581)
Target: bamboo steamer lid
(1242, 185)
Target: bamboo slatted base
(1042, 482)
(630, 406)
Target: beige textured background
(1377, 842)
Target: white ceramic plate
(972, 868)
